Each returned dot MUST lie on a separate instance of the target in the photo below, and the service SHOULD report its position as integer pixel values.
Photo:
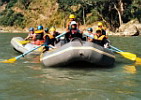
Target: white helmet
(73, 23)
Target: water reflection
(130, 69)
(138, 61)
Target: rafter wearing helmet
(72, 17)
(103, 29)
(73, 32)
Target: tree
(114, 12)
(12, 19)
(24, 3)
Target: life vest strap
(39, 31)
(50, 36)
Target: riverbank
(132, 28)
(60, 30)
(12, 30)
(63, 30)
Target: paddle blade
(24, 42)
(138, 61)
(12, 60)
(128, 55)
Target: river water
(27, 79)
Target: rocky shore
(132, 28)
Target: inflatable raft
(17, 43)
(78, 51)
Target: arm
(67, 35)
(90, 40)
(27, 37)
(34, 37)
(67, 25)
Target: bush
(11, 4)
(12, 19)
(93, 17)
(137, 14)
(3, 1)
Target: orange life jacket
(50, 36)
(99, 38)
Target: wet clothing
(101, 40)
(56, 34)
(103, 32)
(50, 40)
(38, 42)
(39, 35)
(69, 25)
(72, 33)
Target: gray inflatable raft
(78, 51)
(22, 48)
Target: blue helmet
(40, 27)
(31, 29)
(46, 29)
(90, 29)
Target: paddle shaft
(116, 48)
(60, 35)
(110, 45)
(88, 35)
(22, 55)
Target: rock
(132, 28)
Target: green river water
(27, 79)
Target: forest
(111, 12)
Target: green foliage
(85, 7)
(3, 1)
(105, 10)
(24, 3)
(138, 14)
(136, 10)
(11, 4)
(86, 11)
(12, 19)
(93, 17)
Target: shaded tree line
(10, 18)
(113, 12)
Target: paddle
(12, 60)
(127, 55)
(24, 42)
(60, 35)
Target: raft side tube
(78, 51)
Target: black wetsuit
(72, 34)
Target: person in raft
(50, 39)
(103, 29)
(30, 34)
(46, 31)
(73, 32)
(38, 37)
(90, 32)
(72, 17)
(101, 39)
